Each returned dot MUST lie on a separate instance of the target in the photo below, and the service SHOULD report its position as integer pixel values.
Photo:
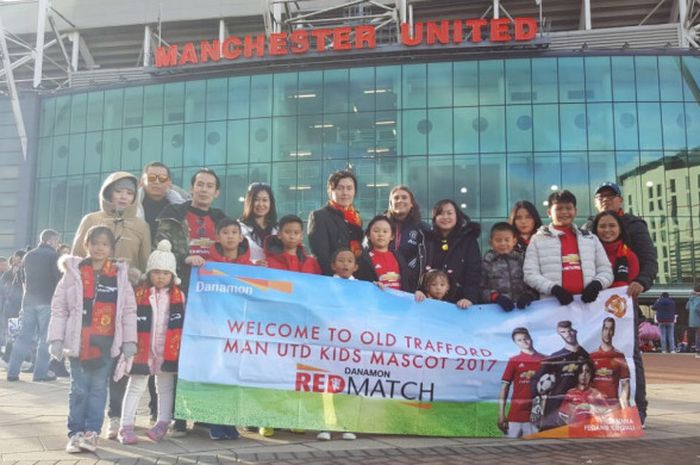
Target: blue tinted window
(545, 80)
(545, 127)
(439, 129)
(623, 79)
(626, 127)
(414, 86)
(572, 87)
(440, 84)
(491, 82)
(466, 83)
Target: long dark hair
(530, 208)
(414, 213)
(248, 217)
(599, 216)
(437, 209)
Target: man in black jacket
(41, 276)
(608, 197)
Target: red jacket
(216, 254)
(279, 260)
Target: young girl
(625, 264)
(436, 285)
(527, 221)
(378, 263)
(93, 319)
(160, 313)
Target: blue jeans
(668, 341)
(88, 395)
(35, 320)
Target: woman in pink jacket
(160, 313)
(93, 320)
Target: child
(563, 260)
(93, 319)
(608, 227)
(285, 250)
(527, 221)
(378, 263)
(160, 315)
(230, 246)
(343, 265)
(436, 285)
(502, 279)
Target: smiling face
(446, 219)
(608, 229)
(607, 200)
(380, 235)
(503, 242)
(562, 214)
(524, 222)
(343, 193)
(204, 191)
(261, 204)
(99, 248)
(400, 204)
(344, 264)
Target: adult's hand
(634, 289)
(195, 260)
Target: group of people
(115, 306)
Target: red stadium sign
(476, 31)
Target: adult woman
(259, 219)
(527, 221)
(608, 227)
(405, 213)
(337, 224)
(452, 246)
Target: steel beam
(12, 88)
(496, 9)
(87, 56)
(39, 49)
(146, 45)
(75, 50)
(585, 22)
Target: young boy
(502, 279)
(344, 263)
(285, 250)
(563, 260)
(230, 245)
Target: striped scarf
(99, 312)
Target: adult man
(608, 197)
(564, 365)
(156, 191)
(191, 229)
(612, 375)
(519, 372)
(41, 276)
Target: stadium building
(485, 102)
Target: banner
(280, 349)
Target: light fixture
(241, 199)
(299, 188)
(463, 190)
(379, 150)
(298, 96)
(650, 183)
(553, 187)
(300, 153)
(385, 122)
(322, 126)
(379, 184)
(376, 91)
(462, 205)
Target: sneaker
(27, 367)
(349, 436)
(232, 432)
(157, 433)
(323, 436)
(179, 429)
(113, 429)
(265, 431)
(88, 441)
(73, 446)
(127, 436)
(217, 432)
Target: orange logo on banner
(617, 305)
(265, 284)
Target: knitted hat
(163, 259)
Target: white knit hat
(163, 259)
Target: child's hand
(380, 285)
(464, 303)
(195, 260)
(261, 262)
(523, 301)
(420, 297)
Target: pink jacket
(67, 309)
(160, 306)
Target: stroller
(649, 336)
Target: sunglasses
(160, 177)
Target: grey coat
(504, 274)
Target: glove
(563, 296)
(505, 303)
(590, 293)
(129, 349)
(56, 350)
(523, 301)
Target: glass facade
(486, 133)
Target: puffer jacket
(132, 233)
(462, 264)
(257, 251)
(66, 322)
(216, 254)
(366, 271)
(543, 265)
(279, 260)
(503, 274)
(693, 307)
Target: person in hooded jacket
(452, 246)
(230, 246)
(285, 251)
(118, 212)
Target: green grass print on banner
(235, 405)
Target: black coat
(366, 272)
(328, 232)
(41, 276)
(462, 262)
(408, 234)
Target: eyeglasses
(162, 178)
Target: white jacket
(543, 265)
(257, 251)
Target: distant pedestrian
(693, 307)
(666, 316)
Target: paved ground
(32, 431)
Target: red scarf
(99, 312)
(617, 255)
(351, 216)
(144, 324)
